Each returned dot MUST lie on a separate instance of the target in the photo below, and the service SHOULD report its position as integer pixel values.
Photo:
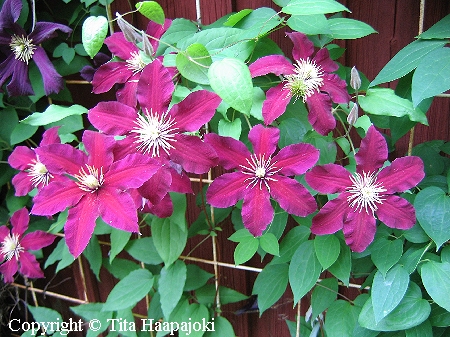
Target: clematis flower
(15, 245)
(22, 48)
(366, 194)
(309, 79)
(99, 187)
(128, 69)
(33, 174)
(160, 132)
(260, 175)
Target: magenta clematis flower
(128, 69)
(15, 246)
(33, 174)
(99, 187)
(309, 79)
(22, 48)
(367, 193)
(260, 176)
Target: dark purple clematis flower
(14, 254)
(25, 47)
(367, 193)
(128, 70)
(260, 176)
(309, 79)
(32, 172)
(99, 187)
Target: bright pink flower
(260, 176)
(15, 245)
(309, 79)
(367, 193)
(98, 187)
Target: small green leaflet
(54, 113)
(311, 7)
(151, 10)
(435, 278)
(93, 34)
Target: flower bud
(146, 45)
(355, 80)
(128, 30)
(353, 115)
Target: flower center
(306, 80)
(135, 63)
(22, 47)
(90, 180)
(365, 192)
(11, 247)
(260, 170)
(38, 173)
(155, 132)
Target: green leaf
(54, 113)
(439, 316)
(311, 7)
(93, 34)
(9, 123)
(411, 258)
(245, 250)
(130, 290)
(411, 311)
(178, 31)
(151, 10)
(196, 277)
(343, 265)
(341, 319)
(222, 328)
(435, 278)
(93, 254)
(422, 330)
(230, 78)
(309, 24)
(270, 285)
(120, 268)
(169, 239)
(239, 235)
(46, 315)
(433, 211)
(440, 30)
(170, 286)
(22, 132)
(119, 240)
(207, 294)
(290, 243)
(431, 76)
(327, 249)
(60, 253)
(230, 129)
(292, 131)
(324, 293)
(344, 28)
(386, 253)
(144, 250)
(196, 314)
(384, 102)
(269, 244)
(94, 311)
(388, 291)
(194, 62)
(304, 270)
(406, 60)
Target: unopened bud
(355, 80)
(353, 115)
(146, 45)
(128, 30)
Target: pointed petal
(330, 218)
(109, 74)
(10, 12)
(227, 190)
(322, 58)
(156, 30)
(127, 94)
(264, 140)
(329, 178)
(56, 197)
(50, 136)
(19, 221)
(359, 230)
(22, 184)
(20, 84)
(119, 46)
(275, 103)
(113, 118)
(230, 151)
(396, 212)
(303, 47)
(157, 186)
(29, 266)
(162, 209)
(53, 82)
(4, 232)
(194, 155)
(195, 110)
(180, 182)
(46, 30)
(296, 159)
(8, 269)
(155, 87)
(403, 174)
(21, 158)
(336, 88)
(292, 196)
(99, 146)
(372, 153)
(36, 240)
(7, 68)
(81, 223)
(320, 113)
(61, 158)
(272, 64)
(257, 211)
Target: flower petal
(46, 30)
(156, 31)
(10, 12)
(227, 190)
(275, 103)
(157, 186)
(372, 153)
(403, 174)
(336, 88)
(19, 221)
(127, 94)
(264, 140)
(36, 240)
(50, 136)
(230, 151)
(29, 266)
(108, 74)
(257, 211)
(330, 218)
(119, 46)
(21, 158)
(272, 64)
(53, 82)
(22, 184)
(296, 159)
(8, 269)
(396, 212)
(303, 47)
(4, 232)
(113, 118)
(292, 196)
(322, 58)
(320, 113)
(180, 182)
(162, 209)
(99, 146)
(61, 158)
(359, 230)
(329, 178)
(56, 197)
(20, 84)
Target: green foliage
(94, 33)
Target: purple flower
(33, 174)
(99, 187)
(309, 79)
(367, 193)
(129, 69)
(260, 176)
(15, 246)
(22, 48)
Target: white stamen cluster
(38, 173)
(135, 63)
(260, 171)
(11, 247)
(90, 180)
(365, 192)
(22, 47)
(306, 80)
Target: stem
(33, 13)
(297, 332)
